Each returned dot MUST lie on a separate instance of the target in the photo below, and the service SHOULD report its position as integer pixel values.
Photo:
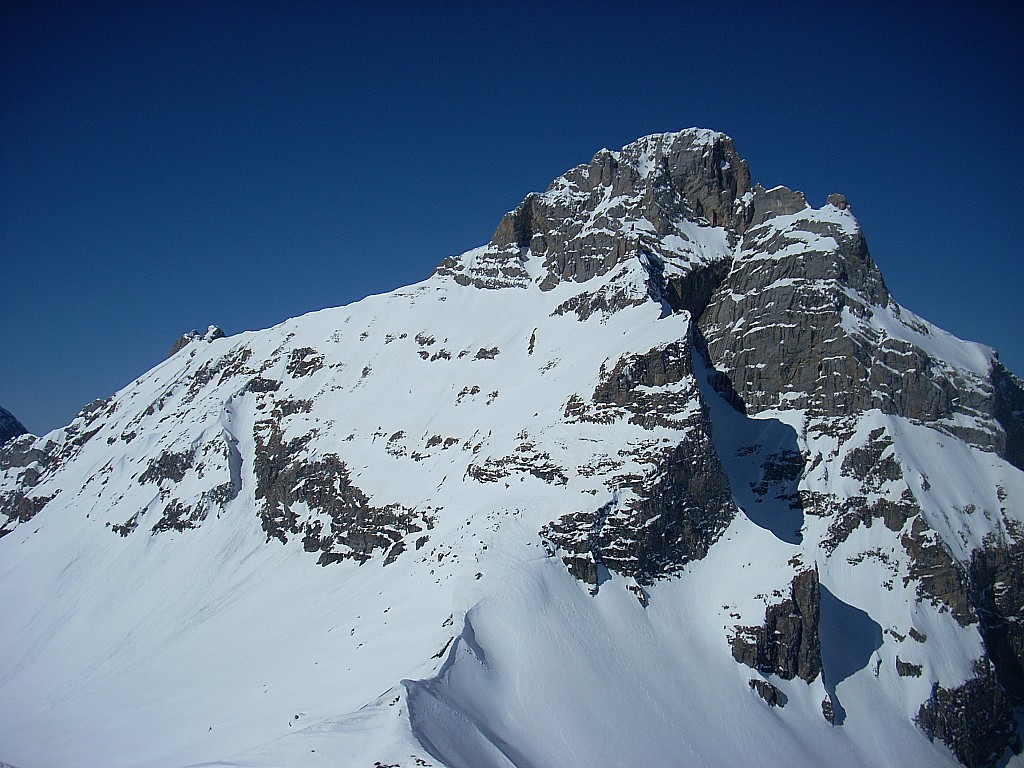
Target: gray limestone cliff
(614, 208)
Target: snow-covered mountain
(662, 475)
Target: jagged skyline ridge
(169, 170)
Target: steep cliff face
(804, 320)
(667, 432)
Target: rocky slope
(662, 473)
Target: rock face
(640, 202)
(10, 427)
(668, 430)
(975, 720)
(768, 692)
(997, 582)
(804, 318)
(676, 514)
(787, 644)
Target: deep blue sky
(170, 165)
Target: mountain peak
(679, 197)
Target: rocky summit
(661, 475)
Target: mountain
(660, 475)
(10, 427)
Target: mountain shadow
(849, 639)
(761, 456)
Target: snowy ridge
(662, 458)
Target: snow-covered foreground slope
(570, 501)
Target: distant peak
(10, 427)
(689, 136)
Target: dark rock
(128, 526)
(20, 507)
(693, 291)
(1008, 410)
(630, 389)
(23, 451)
(907, 669)
(997, 592)
(799, 294)
(781, 470)
(681, 509)
(787, 644)
(224, 368)
(938, 576)
(169, 465)
(768, 692)
(259, 385)
(286, 475)
(828, 710)
(581, 226)
(183, 341)
(518, 227)
(290, 407)
(873, 463)
(525, 459)
(179, 517)
(766, 204)
(975, 720)
(839, 201)
(10, 427)
(609, 299)
(212, 333)
(304, 361)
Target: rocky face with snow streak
(666, 431)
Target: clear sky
(167, 165)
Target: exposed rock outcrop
(337, 519)
(619, 206)
(768, 692)
(787, 643)
(975, 720)
(674, 516)
(212, 333)
(997, 591)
